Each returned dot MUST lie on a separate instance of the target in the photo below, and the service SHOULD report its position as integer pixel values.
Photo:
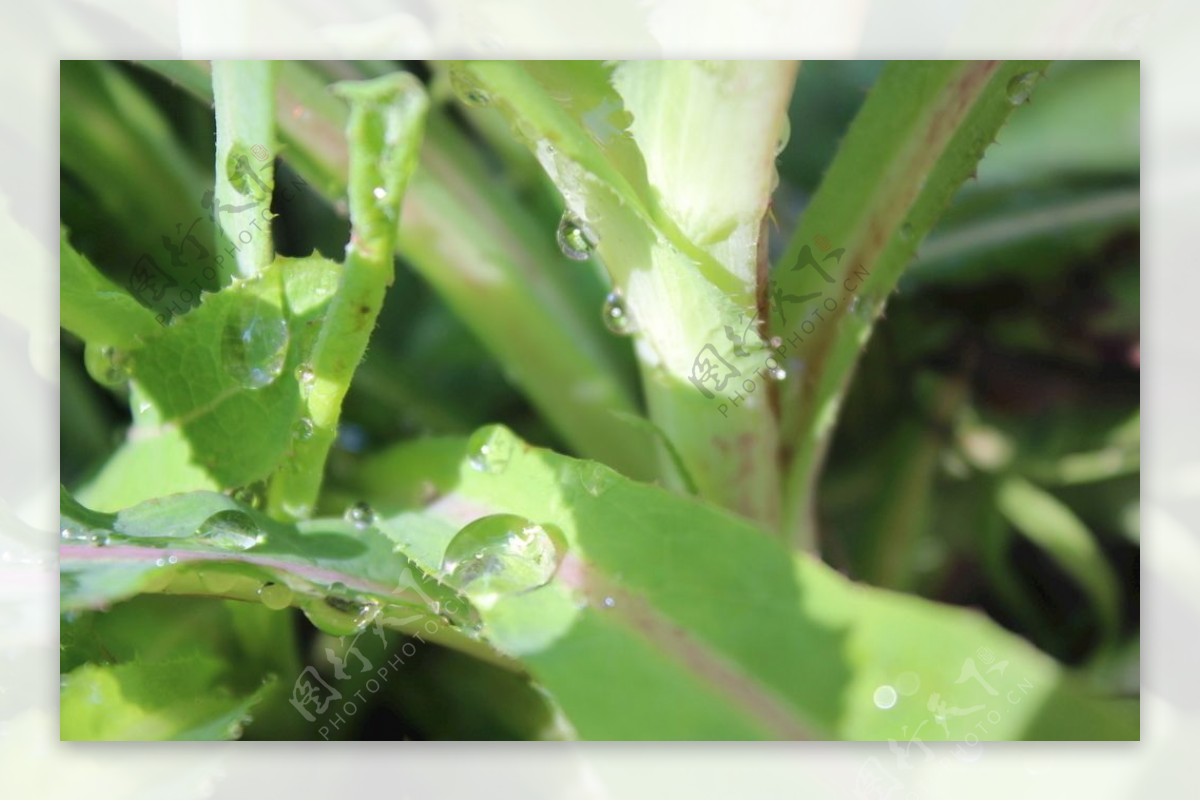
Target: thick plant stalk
(676, 221)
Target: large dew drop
(615, 315)
(254, 344)
(490, 449)
(595, 478)
(575, 240)
(275, 596)
(500, 555)
(230, 529)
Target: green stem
(244, 94)
(918, 137)
(387, 117)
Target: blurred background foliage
(987, 455)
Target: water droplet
(908, 683)
(1021, 87)
(218, 581)
(84, 536)
(275, 596)
(490, 449)
(616, 317)
(467, 90)
(595, 478)
(297, 511)
(575, 240)
(785, 134)
(106, 365)
(775, 371)
(776, 342)
(609, 602)
(885, 696)
(303, 429)
(253, 495)
(339, 615)
(906, 231)
(361, 515)
(230, 528)
(254, 344)
(502, 554)
(305, 376)
(862, 308)
(380, 193)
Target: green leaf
(918, 136)
(94, 308)
(142, 469)
(225, 374)
(172, 700)
(986, 239)
(342, 574)
(668, 619)
(1052, 526)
